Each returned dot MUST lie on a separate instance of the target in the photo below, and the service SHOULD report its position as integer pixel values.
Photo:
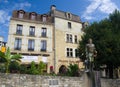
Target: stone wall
(110, 82)
(22, 80)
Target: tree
(105, 35)
(14, 67)
(33, 68)
(8, 57)
(73, 70)
(41, 67)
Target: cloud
(5, 13)
(22, 5)
(4, 1)
(107, 6)
(4, 17)
(102, 6)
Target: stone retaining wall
(110, 82)
(22, 80)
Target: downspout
(54, 46)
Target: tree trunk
(110, 69)
(7, 67)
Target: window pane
(32, 31)
(69, 52)
(70, 38)
(44, 32)
(17, 44)
(75, 38)
(76, 53)
(19, 29)
(20, 15)
(43, 45)
(31, 45)
(69, 25)
(67, 37)
(44, 18)
(33, 16)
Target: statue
(91, 53)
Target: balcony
(30, 49)
(43, 50)
(17, 48)
(19, 33)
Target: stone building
(52, 37)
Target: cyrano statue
(90, 55)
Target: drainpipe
(53, 8)
(54, 35)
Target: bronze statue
(91, 53)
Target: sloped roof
(62, 14)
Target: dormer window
(21, 14)
(33, 16)
(68, 15)
(44, 18)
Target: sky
(87, 10)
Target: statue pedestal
(92, 79)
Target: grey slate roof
(62, 14)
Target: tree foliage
(106, 37)
(7, 58)
(33, 68)
(73, 70)
(41, 67)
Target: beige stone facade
(51, 38)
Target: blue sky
(88, 10)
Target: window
(32, 31)
(75, 38)
(20, 15)
(44, 18)
(33, 16)
(69, 25)
(69, 15)
(43, 32)
(19, 29)
(43, 45)
(76, 53)
(69, 38)
(69, 52)
(31, 44)
(17, 45)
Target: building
(2, 44)
(52, 37)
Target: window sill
(31, 35)
(18, 34)
(43, 37)
(19, 49)
(69, 57)
(43, 50)
(30, 49)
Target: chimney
(53, 7)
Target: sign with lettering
(29, 59)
